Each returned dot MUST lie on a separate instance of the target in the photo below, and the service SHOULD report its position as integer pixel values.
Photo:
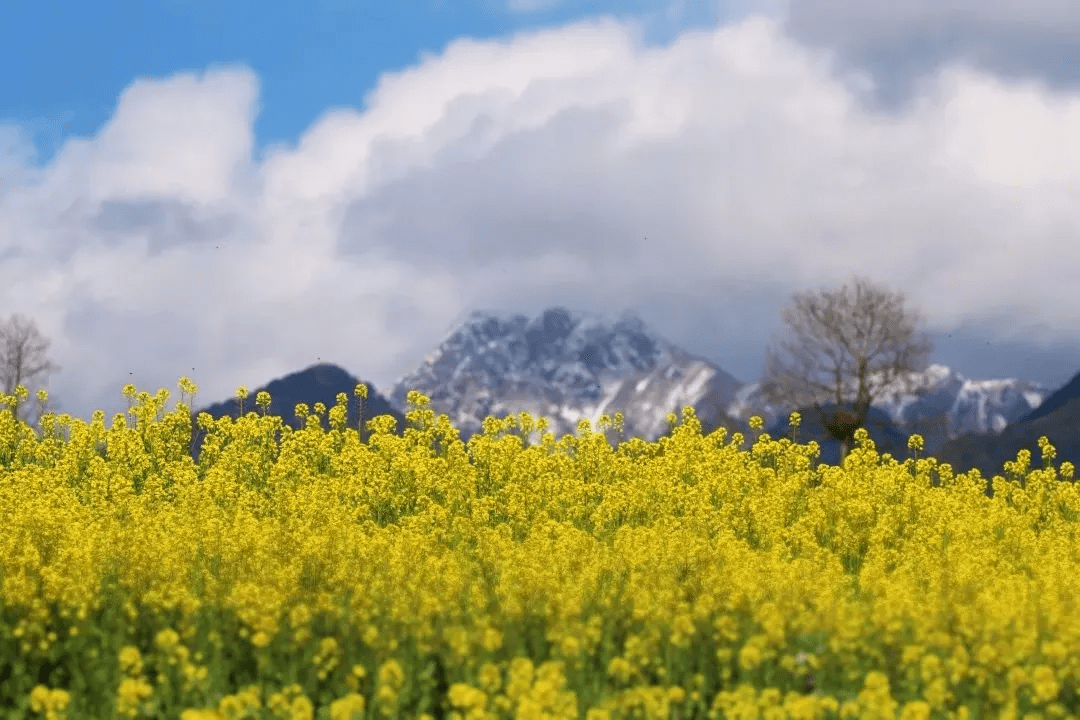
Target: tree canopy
(848, 346)
(22, 359)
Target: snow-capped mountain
(942, 404)
(569, 366)
(566, 367)
(1057, 418)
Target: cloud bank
(699, 184)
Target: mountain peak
(561, 363)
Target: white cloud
(867, 21)
(903, 43)
(526, 173)
(182, 139)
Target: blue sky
(235, 190)
(75, 59)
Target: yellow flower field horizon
(419, 576)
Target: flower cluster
(420, 576)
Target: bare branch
(839, 338)
(22, 359)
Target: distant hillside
(318, 383)
(939, 404)
(573, 366)
(1059, 398)
(989, 453)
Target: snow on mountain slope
(570, 366)
(943, 404)
(567, 367)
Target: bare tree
(839, 334)
(22, 359)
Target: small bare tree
(839, 335)
(22, 359)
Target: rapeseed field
(420, 577)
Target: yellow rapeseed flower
(490, 677)
(51, 702)
(467, 697)
(350, 707)
(167, 639)
(750, 656)
(130, 696)
(130, 660)
(915, 710)
(620, 669)
(1046, 685)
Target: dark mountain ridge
(318, 383)
(1057, 399)
(988, 454)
